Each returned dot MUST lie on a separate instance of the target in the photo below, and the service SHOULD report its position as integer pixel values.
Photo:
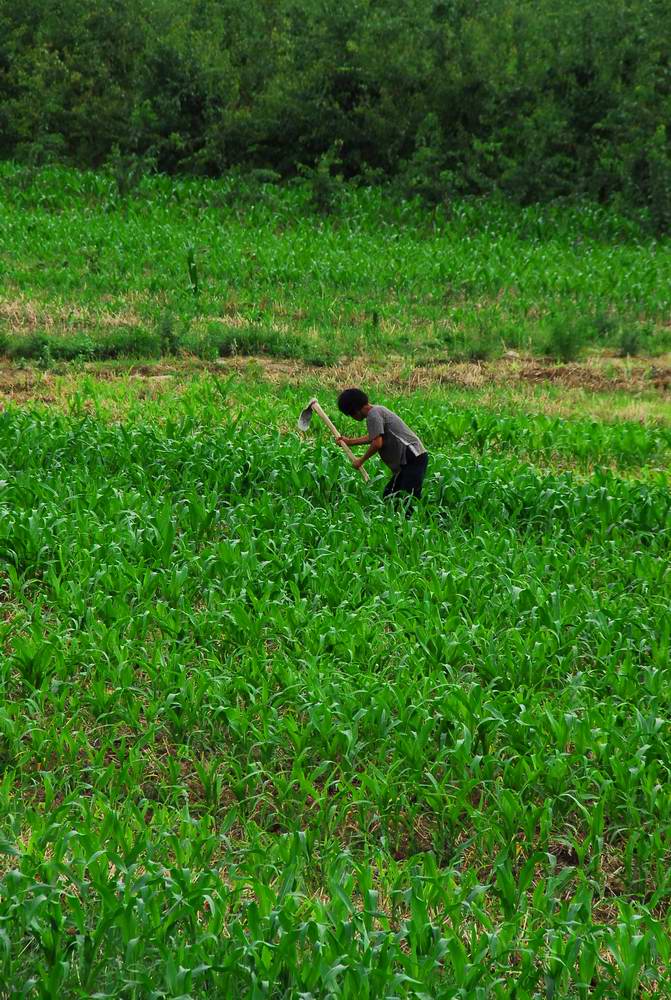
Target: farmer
(388, 435)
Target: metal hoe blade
(306, 416)
(304, 419)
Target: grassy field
(260, 736)
(218, 268)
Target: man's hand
(373, 449)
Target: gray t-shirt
(398, 438)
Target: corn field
(259, 737)
(221, 268)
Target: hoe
(304, 422)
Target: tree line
(532, 98)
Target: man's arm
(373, 449)
(350, 441)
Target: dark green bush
(481, 349)
(326, 182)
(566, 340)
(659, 181)
(424, 175)
(605, 326)
(631, 342)
(46, 349)
(134, 343)
(224, 342)
(168, 335)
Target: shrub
(168, 334)
(46, 349)
(127, 170)
(483, 346)
(605, 326)
(659, 182)
(423, 175)
(224, 342)
(566, 340)
(630, 342)
(244, 188)
(326, 187)
(131, 343)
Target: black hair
(350, 401)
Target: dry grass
(25, 316)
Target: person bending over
(390, 437)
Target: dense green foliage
(218, 267)
(260, 737)
(530, 97)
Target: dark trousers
(408, 480)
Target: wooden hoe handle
(336, 434)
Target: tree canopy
(529, 97)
